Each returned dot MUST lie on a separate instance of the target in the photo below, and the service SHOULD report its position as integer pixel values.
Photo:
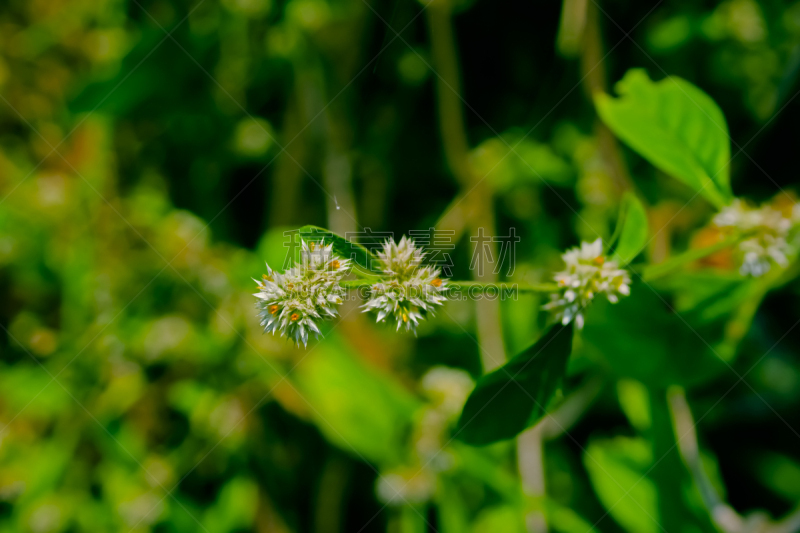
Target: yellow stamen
(437, 282)
(294, 317)
(335, 264)
(272, 309)
(405, 317)
(311, 246)
(599, 260)
(266, 278)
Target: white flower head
(292, 302)
(768, 243)
(448, 388)
(588, 273)
(403, 486)
(409, 290)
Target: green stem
(741, 320)
(365, 275)
(653, 272)
(668, 473)
(469, 285)
(520, 287)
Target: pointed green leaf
(362, 258)
(633, 235)
(514, 397)
(675, 126)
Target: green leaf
(514, 397)
(506, 518)
(633, 233)
(565, 520)
(453, 512)
(675, 126)
(618, 472)
(235, 508)
(412, 518)
(635, 403)
(480, 464)
(363, 411)
(779, 473)
(642, 337)
(363, 259)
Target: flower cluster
(588, 273)
(311, 290)
(769, 228)
(409, 289)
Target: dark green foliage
(516, 395)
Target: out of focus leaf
(514, 397)
(43, 465)
(675, 126)
(499, 518)
(781, 474)
(670, 34)
(716, 297)
(274, 248)
(33, 389)
(361, 257)
(513, 159)
(617, 469)
(235, 508)
(643, 338)
(633, 231)
(635, 403)
(453, 511)
(359, 409)
(482, 466)
(712, 293)
(566, 520)
(412, 519)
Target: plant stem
(517, 287)
(653, 272)
(741, 320)
(475, 190)
(720, 513)
(472, 286)
(667, 472)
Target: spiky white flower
(292, 302)
(769, 241)
(409, 290)
(588, 273)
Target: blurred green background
(154, 152)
